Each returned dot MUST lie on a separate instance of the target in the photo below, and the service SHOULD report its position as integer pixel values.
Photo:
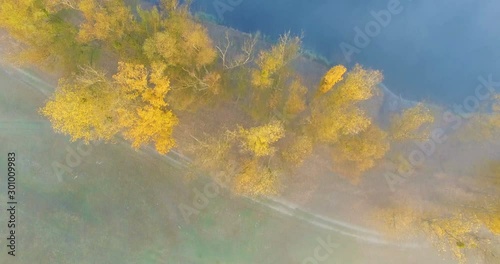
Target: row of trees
(467, 225)
(130, 72)
(166, 63)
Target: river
(430, 50)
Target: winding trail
(279, 205)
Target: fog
(429, 198)
(431, 50)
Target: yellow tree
(58, 5)
(487, 208)
(337, 113)
(332, 77)
(111, 24)
(296, 98)
(490, 217)
(144, 114)
(83, 107)
(448, 229)
(222, 157)
(136, 81)
(329, 126)
(259, 140)
(356, 154)
(89, 106)
(360, 84)
(256, 180)
(183, 43)
(453, 232)
(397, 221)
(185, 47)
(270, 62)
(273, 79)
(413, 124)
(152, 125)
(47, 39)
(337, 119)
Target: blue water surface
(430, 50)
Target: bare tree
(245, 56)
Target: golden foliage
(332, 77)
(54, 6)
(360, 84)
(154, 125)
(336, 119)
(105, 20)
(90, 107)
(296, 98)
(454, 233)
(271, 61)
(330, 126)
(83, 107)
(258, 140)
(491, 220)
(274, 99)
(134, 81)
(212, 81)
(182, 43)
(256, 180)
(397, 222)
(413, 124)
(47, 39)
(146, 119)
(159, 86)
(337, 114)
(184, 46)
(361, 151)
(488, 178)
(150, 21)
(449, 229)
(171, 5)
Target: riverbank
(429, 51)
(313, 185)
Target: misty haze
(249, 131)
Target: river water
(428, 50)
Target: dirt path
(276, 204)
